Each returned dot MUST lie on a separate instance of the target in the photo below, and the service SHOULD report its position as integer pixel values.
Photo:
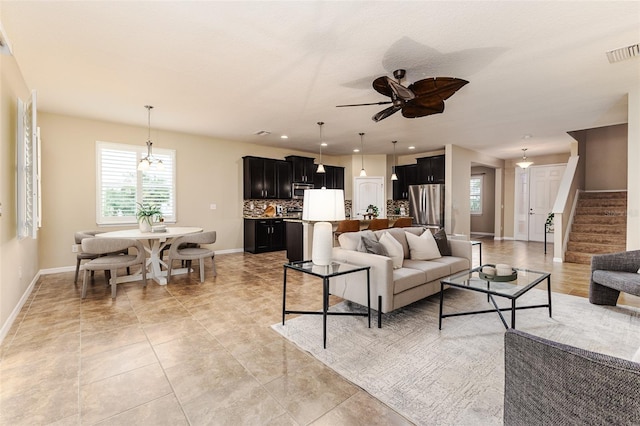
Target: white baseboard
(558, 260)
(14, 314)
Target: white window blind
(476, 194)
(120, 186)
(28, 144)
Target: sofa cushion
(373, 246)
(399, 235)
(406, 278)
(628, 282)
(423, 247)
(394, 249)
(350, 240)
(456, 264)
(443, 244)
(432, 270)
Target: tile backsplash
(255, 208)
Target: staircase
(599, 226)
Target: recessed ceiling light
(412, 147)
(323, 144)
(356, 150)
(284, 137)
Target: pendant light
(320, 166)
(394, 176)
(524, 163)
(363, 173)
(149, 160)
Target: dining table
(154, 243)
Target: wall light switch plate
(213, 206)
(75, 248)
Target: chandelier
(149, 160)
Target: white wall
(633, 172)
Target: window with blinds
(120, 185)
(476, 195)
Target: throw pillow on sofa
(351, 240)
(394, 249)
(443, 244)
(423, 247)
(373, 246)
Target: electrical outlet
(75, 248)
(213, 206)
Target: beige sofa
(394, 288)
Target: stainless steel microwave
(298, 190)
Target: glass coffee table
(512, 290)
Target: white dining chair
(188, 253)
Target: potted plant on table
(372, 211)
(146, 214)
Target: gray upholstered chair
(82, 255)
(550, 383)
(613, 273)
(182, 248)
(110, 260)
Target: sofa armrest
(626, 261)
(461, 248)
(380, 276)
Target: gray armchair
(550, 383)
(613, 273)
(110, 260)
(187, 248)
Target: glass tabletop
(332, 270)
(525, 280)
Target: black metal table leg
(513, 313)
(441, 302)
(368, 299)
(284, 294)
(549, 293)
(325, 308)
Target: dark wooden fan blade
(372, 103)
(381, 85)
(419, 107)
(386, 113)
(440, 87)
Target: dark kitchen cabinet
(431, 169)
(407, 175)
(264, 235)
(332, 178)
(266, 178)
(283, 176)
(294, 241)
(260, 178)
(302, 168)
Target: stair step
(582, 258)
(602, 202)
(604, 220)
(603, 194)
(589, 228)
(598, 238)
(594, 248)
(602, 210)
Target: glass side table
(326, 273)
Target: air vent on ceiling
(262, 133)
(623, 53)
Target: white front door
(536, 189)
(368, 190)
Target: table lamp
(322, 206)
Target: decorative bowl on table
(499, 273)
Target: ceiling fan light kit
(524, 163)
(419, 99)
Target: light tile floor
(191, 353)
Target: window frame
(480, 196)
(140, 152)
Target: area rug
(454, 375)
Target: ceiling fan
(422, 98)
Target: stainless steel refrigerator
(426, 204)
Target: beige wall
(209, 171)
(606, 158)
(18, 258)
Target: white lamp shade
(322, 205)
